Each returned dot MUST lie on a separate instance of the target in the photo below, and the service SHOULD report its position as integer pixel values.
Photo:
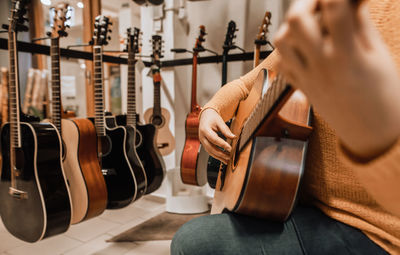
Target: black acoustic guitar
(145, 138)
(214, 164)
(122, 186)
(35, 199)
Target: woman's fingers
(213, 137)
(224, 129)
(214, 151)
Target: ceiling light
(80, 5)
(46, 2)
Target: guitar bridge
(18, 194)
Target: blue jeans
(307, 231)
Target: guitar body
(133, 158)
(146, 149)
(82, 169)
(191, 155)
(165, 139)
(116, 168)
(263, 179)
(47, 209)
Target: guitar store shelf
(45, 50)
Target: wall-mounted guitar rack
(45, 50)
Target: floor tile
(52, 246)
(9, 242)
(90, 229)
(151, 247)
(100, 246)
(148, 204)
(124, 215)
(126, 226)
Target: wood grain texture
(90, 167)
(165, 139)
(262, 180)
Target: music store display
(65, 170)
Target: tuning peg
(67, 26)
(109, 37)
(48, 33)
(109, 30)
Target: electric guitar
(81, 166)
(145, 136)
(34, 195)
(116, 166)
(268, 156)
(191, 170)
(213, 163)
(157, 115)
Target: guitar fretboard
(98, 90)
(131, 110)
(13, 93)
(55, 83)
(157, 92)
(278, 89)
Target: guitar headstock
(230, 35)
(200, 39)
(157, 44)
(133, 44)
(61, 17)
(102, 26)
(17, 19)
(261, 38)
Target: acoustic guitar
(159, 116)
(145, 136)
(191, 160)
(81, 166)
(261, 38)
(115, 161)
(4, 95)
(34, 195)
(213, 164)
(268, 156)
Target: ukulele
(268, 156)
(145, 136)
(158, 116)
(191, 171)
(213, 164)
(81, 166)
(114, 160)
(261, 38)
(34, 195)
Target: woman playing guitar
(349, 200)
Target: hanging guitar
(158, 116)
(191, 172)
(213, 163)
(145, 136)
(115, 161)
(81, 166)
(35, 199)
(261, 38)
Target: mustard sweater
(365, 196)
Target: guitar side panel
(152, 160)
(117, 172)
(89, 164)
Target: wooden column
(92, 8)
(36, 30)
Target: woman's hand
(211, 123)
(331, 50)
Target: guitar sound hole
(157, 121)
(106, 145)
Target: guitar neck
(55, 83)
(224, 66)
(131, 109)
(98, 90)
(194, 83)
(257, 49)
(157, 92)
(13, 93)
(275, 97)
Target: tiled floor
(90, 236)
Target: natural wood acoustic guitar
(159, 116)
(81, 166)
(190, 172)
